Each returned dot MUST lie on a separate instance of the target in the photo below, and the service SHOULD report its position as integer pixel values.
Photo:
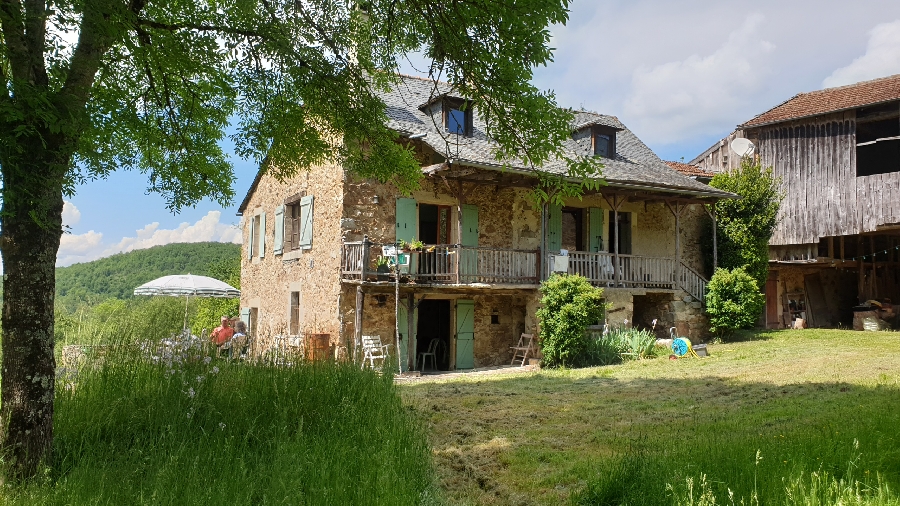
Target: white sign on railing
(392, 254)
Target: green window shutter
(407, 217)
(470, 225)
(250, 237)
(465, 334)
(278, 247)
(306, 222)
(262, 235)
(595, 229)
(245, 316)
(554, 227)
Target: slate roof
(814, 103)
(635, 165)
(690, 170)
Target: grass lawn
(787, 414)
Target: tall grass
(188, 429)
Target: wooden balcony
(445, 264)
(634, 271)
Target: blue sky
(680, 74)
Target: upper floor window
(878, 139)
(458, 117)
(604, 142)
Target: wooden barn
(837, 244)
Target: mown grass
(793, 417)
(199, 431)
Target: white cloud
(882, 58)
(70, 214)
(700, 94)
(90, 246)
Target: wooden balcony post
(711, 211)
(677, 211)
(358, 321)
(365, 258)
(616, 203)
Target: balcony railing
(634, 271)
(445, 264)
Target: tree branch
(13, 26)
(35, 38)
(172, 27)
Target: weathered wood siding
(816, 160)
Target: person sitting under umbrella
(222, 334)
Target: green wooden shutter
(278, 247)
(407, 217)
(469, 257)
(250, 238)
(262, 235)
(470, 225)
(245, 317)
(595, 229)
(306, 222)
(465, 334)
(554, 228)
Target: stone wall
(514, 315)
(266, 283)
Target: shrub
(745, 225)
(733, 301)
(569, 305)
(619, 345)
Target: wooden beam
(410, 331)
(358, 320)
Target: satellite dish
(743, 147)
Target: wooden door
(465, 334)
(406, 341)
(773, 308)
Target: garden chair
(373, 350)
(432, 352)
(525, 347)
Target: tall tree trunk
(31, 229)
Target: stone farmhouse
(313, 243)
(837, 243)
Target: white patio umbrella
(188, 285)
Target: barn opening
(878, 139)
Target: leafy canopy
(746, 224)
(152, 86)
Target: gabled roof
(634, 166)
(829, 100)
(690, 170)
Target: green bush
(619, 345)
(733, 301)
(569, 305)
(745, 225)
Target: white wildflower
(207, 360)
(215, 369)
(222, 425)
(199, 379)
(191, 393)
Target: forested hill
(117, 276)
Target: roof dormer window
(604, 141)
(458, 116)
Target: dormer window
(604, 140)
(458, 116)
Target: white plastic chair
(373, 350)
(432, 352)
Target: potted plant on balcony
(416, 245)
(382, 267)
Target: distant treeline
(117, 276)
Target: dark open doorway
(434, 323)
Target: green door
(469, 259)
(407, 227)
(554, 228)
(595, 229)
(406, 339)
(465, 334)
